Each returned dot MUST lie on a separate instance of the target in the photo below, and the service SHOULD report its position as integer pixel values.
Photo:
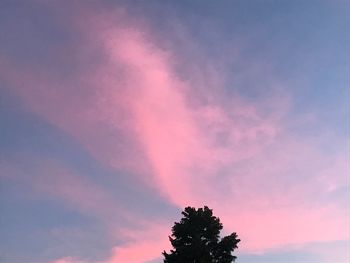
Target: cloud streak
(133, 111)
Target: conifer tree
(196, 239)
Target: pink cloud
(145, 244)
(183, 143)
(51, 179)
(68, 260)
(269, 228)
(75, 190)
(229, 154)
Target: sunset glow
(115, 115)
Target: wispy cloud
(133, 111)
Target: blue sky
(115, 115)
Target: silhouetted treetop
(196, 239)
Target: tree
(196, 239)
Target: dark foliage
(196, 239)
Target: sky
(115, 115)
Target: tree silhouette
(196, 239)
